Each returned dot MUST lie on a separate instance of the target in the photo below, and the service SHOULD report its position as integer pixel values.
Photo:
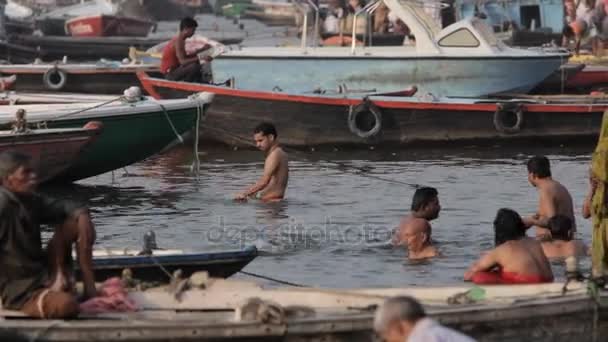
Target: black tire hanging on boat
(365, 119)
(509, 117)
(55, 79)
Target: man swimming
(415, 230)
(516, 259)
(554, 199)
(272, 185)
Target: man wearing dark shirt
(34, 280)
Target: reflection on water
(334, 227)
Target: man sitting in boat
(415, 229)
(401, 319)
(553, 198)
(34, 280)
(563, 245)
(176, 64)
(271, 187)
(516, 259)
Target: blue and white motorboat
(464, 59)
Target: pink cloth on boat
(112, 297)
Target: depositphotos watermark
(296, 233)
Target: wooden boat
(103, 77)
(52, 150)
(153, 268)
(26, 98)
(575, 79)
(351, 119)
(549, 312)
(16, 53)
(91, 48)
(100, 25)
(159, 123)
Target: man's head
(426, 203)
(508, 225)
(396, 318)
(16, 173)
(561, 228)
(187, 27)
(265, 136)
(538, 168)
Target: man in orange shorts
(516, 259)
(33, 280)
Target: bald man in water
(414, 231)
(553, 198)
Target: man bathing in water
(563, 246)
(554, 199)
(415, 230)
(516, 259)
(33, 280)
(272, 185)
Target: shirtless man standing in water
(554, 199)
(273, 183)
(414, 231)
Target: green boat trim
(132, 132)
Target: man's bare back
(563, 249)
(523, 257)
(554, 199)
(277, 162)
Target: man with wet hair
(516, 259)
(402, 318)
(39, 282)
(272, 185)
(554, 199)
(414, 231)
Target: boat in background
(153, 267)
(464, 59)
(52, 151)
(103, 25)
(143, 126)
(350, 118)
(103, 77)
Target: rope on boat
(42, 124)
(279, 281)
(337, 165)
(196, 164)
(179, 137)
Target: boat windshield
(421, 11)
(485, 32)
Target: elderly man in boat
(414, 231)
(272, 185)
(176, 64)
(553, 198)
(402, 319)
(516, 259)
(34, 280)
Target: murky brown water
(333, 228)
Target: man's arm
(485, 263)
(182, 57)
(587, 203)
(270, 167)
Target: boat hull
(308, 120)
(90, 81)
(108, 152)
(51, 151)
(466, 76)
(108, 26)
(146, 268)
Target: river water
(334, 226)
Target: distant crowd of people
(586, 23)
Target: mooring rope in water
(338, 165)
(196, 164)
(179, 137)
(279, 281)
